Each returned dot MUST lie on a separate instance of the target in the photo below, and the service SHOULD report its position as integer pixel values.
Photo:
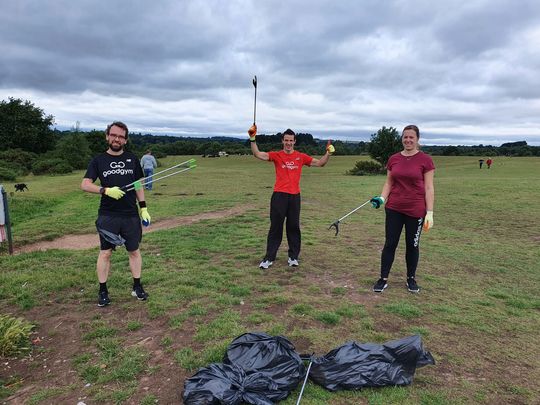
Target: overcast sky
(466, 72)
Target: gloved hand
(428, 221)
(252, 132)
(377, 201)
(329, 147)
(114, 192)
(145, 216)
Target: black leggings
(413, 230)
(284, 205)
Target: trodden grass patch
(477, 309)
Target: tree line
(29, 144)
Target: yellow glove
(428, 221)
(114, 192)
(145, 216)
(252, 132)
(329, 147)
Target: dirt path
(87, 241)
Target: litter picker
(336, 224)
(255, 102)
(305, 379)
(136, 185)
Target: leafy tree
(24, 126)
(451, 151)
(74, 150)
(96, 142)
(384, 144)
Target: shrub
(7, 174)
(14, 335)
(367, 168)
(74, 150)
(51, 166)
(20, 160)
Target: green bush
(51, 166)
(367, 168)
(7, 174)
(18, 159)
(14, 335)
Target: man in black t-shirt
(118, 221)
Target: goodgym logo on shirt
(290, 165)
(117, 168)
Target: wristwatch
(101, 190)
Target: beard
(115, 147)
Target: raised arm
(324, 160)
(252, 132)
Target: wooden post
(7, 221)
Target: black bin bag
(355, 366)
(273, 356)
(225, 384)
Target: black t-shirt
(116, 171)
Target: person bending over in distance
(409, 196)
(285, 201)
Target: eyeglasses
(117, 137)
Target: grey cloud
(187, 66)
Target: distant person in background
(409, 196)
(148, 164)
(285, 202)
(480, 162)
(489, 162)
(118, 219)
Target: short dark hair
(414, 128)
(117, 124)
(288, 131)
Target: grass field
(478, 311)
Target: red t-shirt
(408, 193)
(288, 170)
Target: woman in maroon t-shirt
(409, 195)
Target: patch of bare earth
(88, 241)
(60, 338)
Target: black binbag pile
(257, 369)
(354, 366)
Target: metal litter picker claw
(336, 224)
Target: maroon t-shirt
(288, 170)
(408, 193)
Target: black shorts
(129, 228)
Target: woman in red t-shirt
(409, 195)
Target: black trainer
(412, 286)
(380, 285)
(103, 298)
(138, 291)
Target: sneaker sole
(380, 291)
(134, 294)
(412, 291)
(103, 305)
